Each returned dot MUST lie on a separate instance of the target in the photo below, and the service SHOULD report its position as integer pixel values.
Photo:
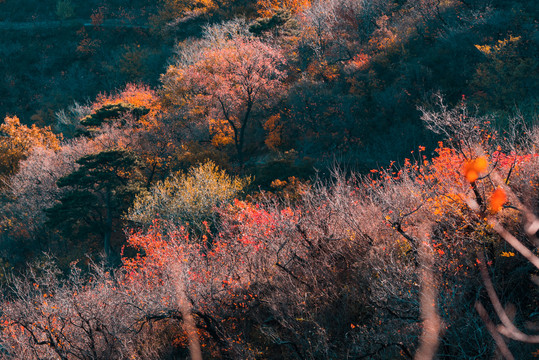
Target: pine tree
(99, 192)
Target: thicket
(319, 179)
(340, 271)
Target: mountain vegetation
(271, 179)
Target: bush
(187, 199)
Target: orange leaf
(497, 199)
(471, 175)
(473, 168)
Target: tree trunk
(185, 307)
(108, 226)
(240, 142)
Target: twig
(492, 329)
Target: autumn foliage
(497, 200)
(275, 269)
(473, 168)
(228, 85)
(269, 7)
(138, 96)
(18, 140)
(245, 205)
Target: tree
(17, 141)
(170, 11)
(93, 314)
(112, 111)
(272, 23)
(31, 191)
(270, 7)
(336, 30)
(187, 199)
(228, 85)
(508, 76)
(139, 100)
(100, 191)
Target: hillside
(271, 179)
